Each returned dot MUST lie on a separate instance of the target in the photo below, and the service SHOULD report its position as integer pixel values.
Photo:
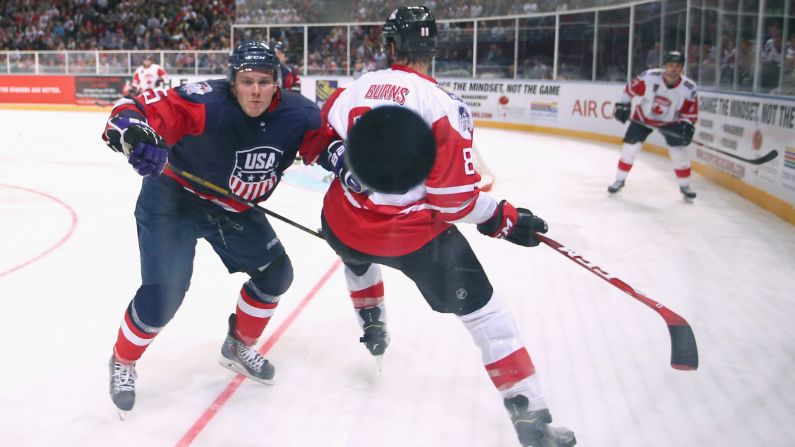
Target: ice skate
(122, 385)
(615, 187)
(687, 192)
(375, 337)
(242, 359)
(532, 427)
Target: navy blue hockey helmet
(254, 55)
(277, 45)
(675, 57)
(412, 28)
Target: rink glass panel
(730, 45)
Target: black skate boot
(375, 337)
(242, 359)
(533, 427)
(615, 187)
(687, 192)
(122, 385)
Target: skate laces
(123, 376)
(251, 357)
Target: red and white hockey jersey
(145, 78)
(661, 104)
(396, 224)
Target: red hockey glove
(517, 225)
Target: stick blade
(768, 157)
(684, 352)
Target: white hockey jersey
(396, 224)
(661, 104)
(145, 78)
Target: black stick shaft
(229, 195)
(754, 161)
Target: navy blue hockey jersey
(210, 136)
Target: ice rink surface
(69, 266)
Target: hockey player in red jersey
(373, 215)
(241, 132)
(669, 102)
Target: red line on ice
(230, 389)
(57, 244)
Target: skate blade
(234, 367)
(122, 414)
(559, 437)
(379, 362)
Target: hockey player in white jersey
(380, 212)
(668, 101)
(148, 76)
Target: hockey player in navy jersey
(669, 102)
(242, 133)
(392, 204)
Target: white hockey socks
(506, 360)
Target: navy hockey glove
(678, 134)
(147, 159)
(335, 162)
(622, 111)
(517, 225)
(145, 149)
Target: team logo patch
(464, 120)
(661, 105)
(461, 293)
(196, 88)
(254, 175)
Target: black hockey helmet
(254, 55)
(277, 45)
(391, 149)
(675, 57)
(412, 28)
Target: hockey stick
(229, 195)
(754, 161)
(684, 353)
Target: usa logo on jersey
(254, 175)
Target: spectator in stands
(358, 69)
(771, 62)
(653, 56)
(789, 54)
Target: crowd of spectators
(87, 25)
(278, 11)
(376, 10)
(205, 24)
(732, 63)
(116, 24)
